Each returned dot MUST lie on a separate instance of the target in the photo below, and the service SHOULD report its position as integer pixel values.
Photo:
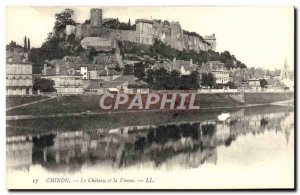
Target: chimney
(57, 69)
(45, 69)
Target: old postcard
(150, 97)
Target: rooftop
(13, 57)
(144, 21)
(63, 71)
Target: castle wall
(96, 17)
(185, 42)
(123, 35)
(95, 31)
(176, 36)
(82, 30)
(78, 31)
(146, 30)
(128, 35)
(156, 29)
(144, 33)
(203, 46)
(70, 29)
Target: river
(253, 148)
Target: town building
(18, 74)
(212, 40)
(254, 85)
(218, 69)
(183, 67)
(66, 79)
(122, 84)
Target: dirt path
(22, 105)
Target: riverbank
(80, 105)
(118, 120)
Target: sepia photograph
(150, 97)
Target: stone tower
(212, 40)
(285, 71)
(96, 17)
(144, 29)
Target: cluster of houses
(75, 75)
(72, 76)
(18, 73)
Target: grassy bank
(12, 101)
(262, 98)
(90, 103)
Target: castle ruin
(146, 32)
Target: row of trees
(116, 24)
(162, 79)
(44, 85)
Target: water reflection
(187, 144)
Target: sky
(257, 36)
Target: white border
(4, 3)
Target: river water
(253, 148)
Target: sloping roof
(67, 60)
(209, 37)
(99, 43)
(144, 21)
(162, 64)
(111, 84)
(130, 62)
(188, 65)
(98, 84)
(105, 60)
(132, 81)
(64, 71)
(16, 57)
(89, 66)
(110, 72)
(94, 84)
(73, 62)
(213, 66)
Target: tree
(194, 80)
(113, 23)
(160, 81)
(128, 70)
(25, 43)
(208, 80)
(63, 19)
(139, 70)
(28, 44)
(150, 77)
(129, 23)
(263, 83)
(173, 80)
(231, 85)
(44, 85)
(224, 56)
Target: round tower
(96, 17)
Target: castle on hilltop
(145, 33)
